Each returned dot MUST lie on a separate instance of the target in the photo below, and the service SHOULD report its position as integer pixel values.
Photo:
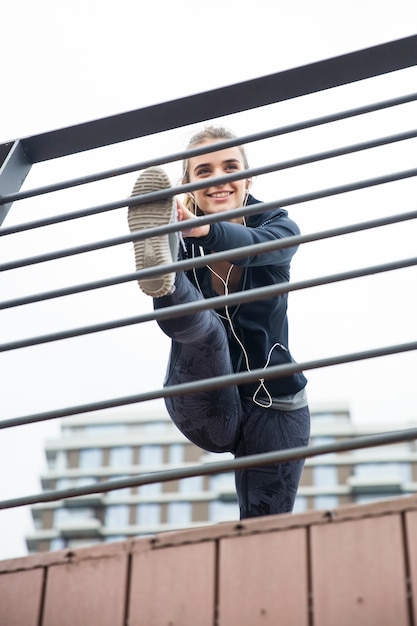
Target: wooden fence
(354, 566)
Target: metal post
(14, 167)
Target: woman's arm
(184, 215)
(226, 236)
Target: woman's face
(219, 198)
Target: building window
(64, 483)
(84, 481)
(69, 483)
(152, 489)
(399, 450)
(325, 475)
(223, 511)
(222, 482)
(81, 543)
(57, 544)
(57, 461)
(90, 458)
(193, 484)
(369, 498)
(176, 453)
(73, 514)
(326, 502)
(155, 426)
(110, 538)
(300, 504)
(121, 456)
(151, 455)
(179, 513)
(148, 514)
(400, 472)
(117, 516)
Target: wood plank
(411, 526)
(263, 579)
(86, 592)
(358, 573)
(20, 598)
(173, 586)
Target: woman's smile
(222, 197)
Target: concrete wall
(353, 566)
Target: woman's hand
(183, 215)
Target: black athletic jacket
(261, 324)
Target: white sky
(71, 61)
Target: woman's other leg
(270, 489)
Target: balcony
(79, 527)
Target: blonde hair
(210, 133)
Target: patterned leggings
(221, 420)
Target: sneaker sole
(155, 250)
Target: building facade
(101, 447)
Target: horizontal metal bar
(252, 172)
(181, 310)
(139, 235)
(208, 219)
(228, 255)
(311, 78)
(277, 371)
(189, 153)
(216, 467)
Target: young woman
(252, 418)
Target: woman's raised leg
(210, 419)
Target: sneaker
(155, 250)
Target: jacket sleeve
(227, 236)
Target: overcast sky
(72, 61)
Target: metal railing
(17, 158)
